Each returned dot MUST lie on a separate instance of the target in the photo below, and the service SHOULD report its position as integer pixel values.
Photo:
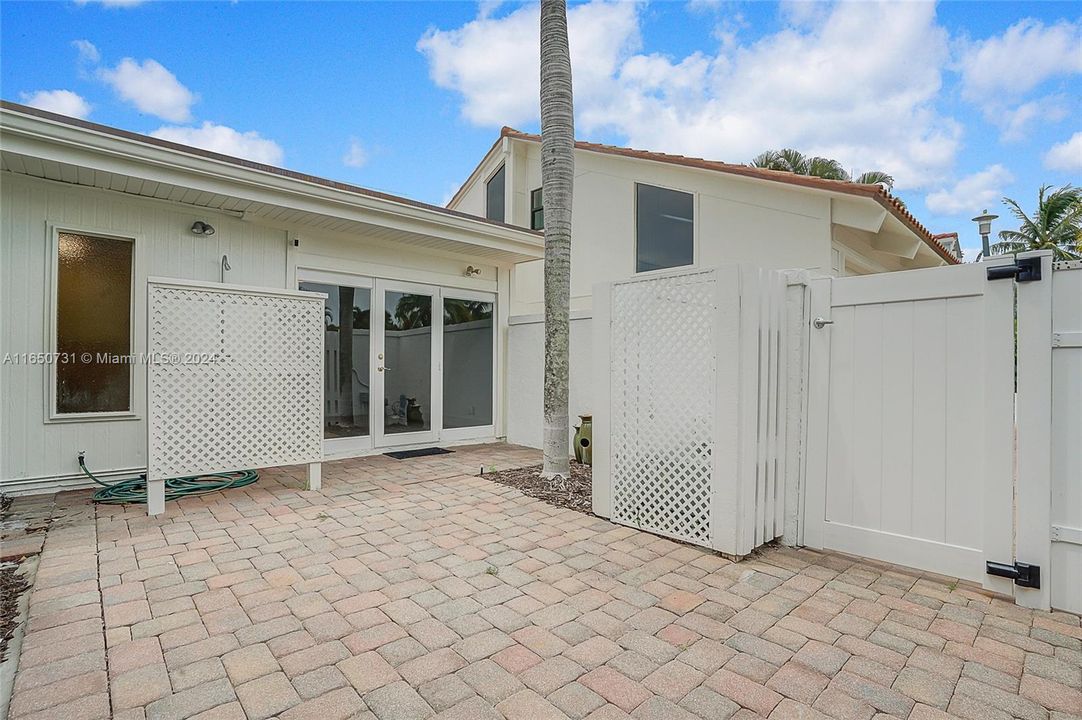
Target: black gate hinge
(1022, 270)
(1023, 574)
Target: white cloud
(150, 88)
(222, 139)
(972, 193)
(356, 156)
(64, 102)
(88, 52)
(998, 73)
(493, 61)
(831, 83)
(1066, 156)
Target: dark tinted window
(494, 193)
(537, 210)
(664, 228)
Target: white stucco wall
(525, 376)
(736, 220)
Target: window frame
(694, 229)
(488, 181)
(540, 208)
(52, 325)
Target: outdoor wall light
(201, 228)
(471, 271)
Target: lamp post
(984, 227)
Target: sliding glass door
(406, 364)
(469, 358)
(347, 337)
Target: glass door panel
(347, 340)
(468, 351)
(407, 363)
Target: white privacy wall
(235, 378)
(526, 370)
(693, 382)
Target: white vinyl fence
(897, 416)
(693, 433)
(234, 380)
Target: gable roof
(874, 192)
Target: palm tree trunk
(557, 180)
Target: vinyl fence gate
(920, 450)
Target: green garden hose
(134, 490)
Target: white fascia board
(55, 141)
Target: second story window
(664, 228)
(537, 210)
(494, 196)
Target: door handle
(820, 323)
(381, 368)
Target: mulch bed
(12, 586)
(573, 493)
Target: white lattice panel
(235, 378)
(663, 379)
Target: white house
(89, 212)
(638, 212)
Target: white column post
(602, 390)
(315, 476)
(1033, 411)
(155, 496)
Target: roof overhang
(54, 147)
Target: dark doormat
(403, 454)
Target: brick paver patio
(413, 589)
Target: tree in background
(557, 179)
(789, 160)
(1055, 225)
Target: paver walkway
(412, 589)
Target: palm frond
(876, 177)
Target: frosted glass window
(664, 228)
(467, 363)
(93, 324)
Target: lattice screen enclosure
(234, 379)
(690, 426)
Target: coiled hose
(134, 490)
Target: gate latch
(1023, 574)
(1022, 270)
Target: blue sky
(962, 102)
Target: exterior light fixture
(201, 228)
(984, 227)
(472, 271)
